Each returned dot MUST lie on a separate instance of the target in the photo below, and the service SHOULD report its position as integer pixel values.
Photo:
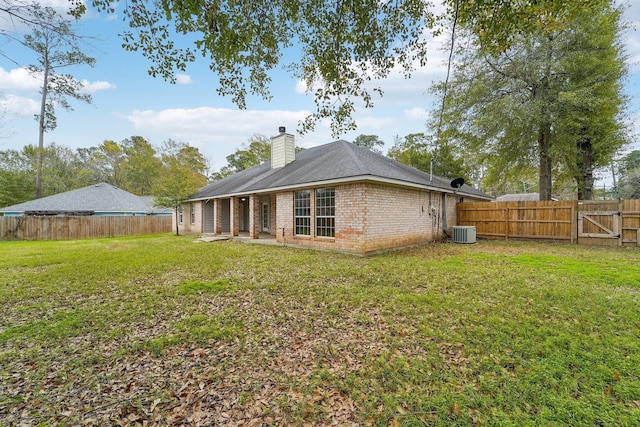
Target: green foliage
(57, 45)
(629, 184)
(499, 24)
(342, 46)
(552, 100)
(134, 165)
(255, 151)
(63, 170)
(17, 182)
(140, 167)
(371, 142)
(181, 174)
(420, 151)
(104, 162)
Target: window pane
(302, 212)
(325, 212)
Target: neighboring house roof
(101, 197)
(520, 197)
(150, 202)
(332, 163)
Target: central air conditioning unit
(464, 234)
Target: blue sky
(127, 101)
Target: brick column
(254, 216)
(217, 216)
(234, 208)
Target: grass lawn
(163, 331)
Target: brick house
(336, 196)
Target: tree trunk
(41, 129)
(585, 173)
(177, 224)
(544, 148)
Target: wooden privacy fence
(80, 227)
(607, 223)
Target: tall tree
(551, 99)
(592, 103)
(57, 46)
(140, 166)
(182, 174)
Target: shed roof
(333, 162)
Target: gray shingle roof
(101, 197)
(339, 160)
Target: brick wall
(371, 217)
(399, 217)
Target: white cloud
(19, 105)
(417, 113)
(301, 87)
(183, 79)
(19, 79)
(93, 87)
(208, 127)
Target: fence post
(574, 223)
(620, 222)
(506, 224)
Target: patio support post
(234, 207)
(217, 216)
(254, 216)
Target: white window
(325, 212)
(302, 213)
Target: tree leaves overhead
(498, 23)
(342, 44)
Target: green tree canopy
(140, 166)
(182, 173)
(419, 151)
(371, 142)
(256, 150)
(552, 100)
(629, 184)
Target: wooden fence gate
(604, 223)
(609, 223)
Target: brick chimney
(283, 149)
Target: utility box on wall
(464, 234)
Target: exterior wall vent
(464, 234)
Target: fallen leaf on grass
(456, 409)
